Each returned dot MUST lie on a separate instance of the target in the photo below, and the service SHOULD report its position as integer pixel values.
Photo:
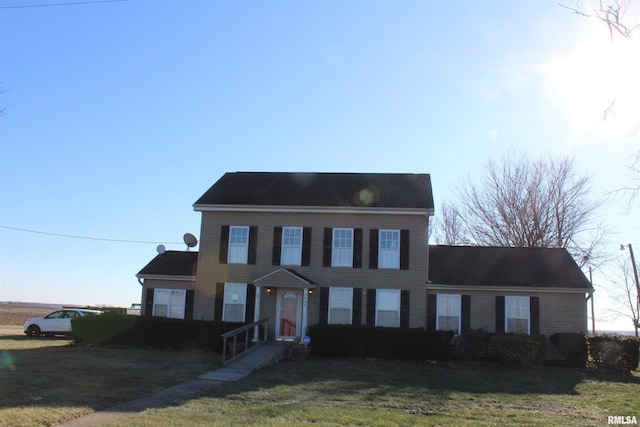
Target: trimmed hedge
(572, 346)
(615, 351)
(384, 343)
(156, 332)
(517, 349)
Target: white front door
(289, 313)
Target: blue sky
(120, 115)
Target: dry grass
(44, 381)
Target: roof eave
(179, 277)
(199, 207)
(490, 288)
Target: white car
(55, 323)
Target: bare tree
(449, 226)
(624, 294)
(611, 13)
(520, 202)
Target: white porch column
(256, 315)
(305, 304)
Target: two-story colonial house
(352, 248)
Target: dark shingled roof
(172, 263)
(502, 266)
(321, 189)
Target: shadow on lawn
(348, 376)
(55, 376)
(54, 373)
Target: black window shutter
(534, 309)
(404, 249)
(373, 249)
(188, 305)
(326, 248)
(324, 306)
(224, 244)
(306, 246)
(277, 246)
(500, 315)
(371, 307)
(356, 315)
(148, 303)
(405, 302)
(465, 312)
(217, 314)
(251, 303)
(431, 311)
(253, 245)
(357, 248)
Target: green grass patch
(45, 381)
(335, 392)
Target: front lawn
(44, 381)
(333, 392)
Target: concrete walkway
(266, 354)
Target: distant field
(18, 313)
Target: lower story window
(448, 318)
(340, 304)
(516, 315)
(235, 302)
(169, 303)
(388, 308)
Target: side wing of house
(506, 290)
(168, 285)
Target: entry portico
(283, 295)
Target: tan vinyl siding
(559, 312)
(210, 271)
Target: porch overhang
(285, 278)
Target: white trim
(314, 209)
(310, 285)
(502, 289)
(166, 277)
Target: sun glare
(597, 85)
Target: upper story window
(238, 245)
(340, 305)
(235, 302)
(342, 250)
(291, 246)
(388, 307)
(389, 249)
(448, 316)
(516, 315)
(169, 303)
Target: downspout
(426, 277)
(590, 297)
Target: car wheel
(33, 331)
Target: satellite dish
(190, 240)
(161, 249)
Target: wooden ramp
(266, 354)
